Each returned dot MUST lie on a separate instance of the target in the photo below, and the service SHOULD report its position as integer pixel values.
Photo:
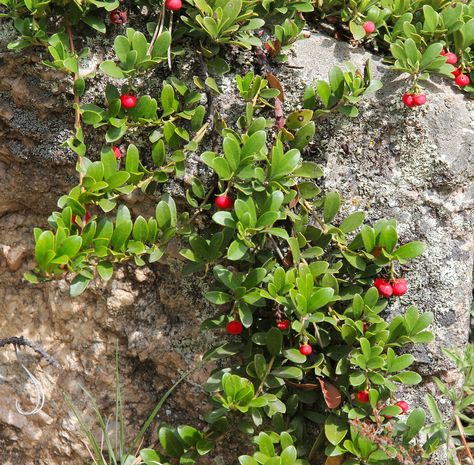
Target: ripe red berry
(173, 5)
(419, 99)
(451, 58)
(363, 396)
(462, 80)
(128, 101)
(456, 72)
(118, 17)
(234, 327)
(283, 325)
(117, 152)
(306, 349)
(224, 202)
(384, 288)
(403, 405)
(399, 286)
(407, 99)
(369, 27)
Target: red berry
(384, 288)
(234, 327)
(451, 58)
(306, 349)
(118, 17)
(283, 325)
(419, 99)
(128, 101)
(369, 27)
(173, 5)
(407, 99)
(363, 396)
(403, 405)
(399, 286)
(117, 152)
(462, 80)
(457, 72)
(224, 202)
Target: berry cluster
(413, 100)
(416, 99)
(363, 398)
(460, 79)
(118, 17)
(397, 287)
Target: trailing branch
(21, 341)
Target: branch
(22, 342)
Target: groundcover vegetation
(310, 370)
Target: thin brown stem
(269, 368)
(158, 29)
(77, 100)
(203, 203)
(463, 439)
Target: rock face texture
(415, 166)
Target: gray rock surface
(416, 166)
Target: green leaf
(254, 144)
(407, 377)
(44, 248)
(335, 429)
(304, 136)
(388, 238)
(247, 460)
(332, 203)
(355, 260)
(288, 456)
(94, 22)
(218, 297)
(357, 30)
(400, 363)
(189, 435)
(308, 169)
(352, 222)
(324, 92)
(237, 250)
(287, 372)
(70, 246)
(410, 250)
(160, 49)
(150, 457)
(218, 65)
(368, 238)
(274, 341)
(78, 285)
(111, 69)
(171, 442)
(415, 422)
(105, 270)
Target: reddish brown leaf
(331, 393)
(288, 260)
(274, 83)
(279, 120)
(336, 460)
(304, 386)
(294, 201)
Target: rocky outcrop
(416, 166)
